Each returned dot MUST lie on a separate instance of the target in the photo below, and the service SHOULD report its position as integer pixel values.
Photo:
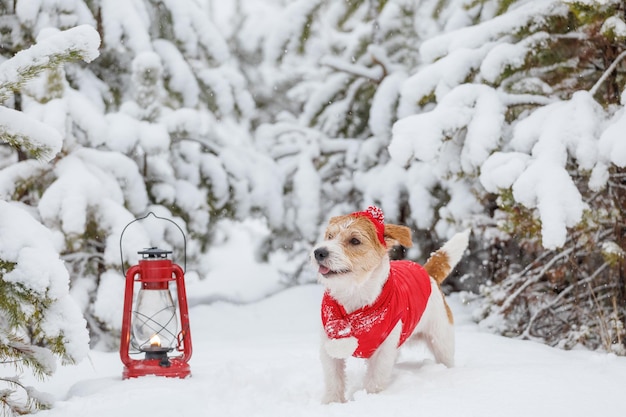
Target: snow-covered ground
(261, 359)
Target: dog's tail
(442, 262)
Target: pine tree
(414, 106)
(525, 124)
(39, 320)
(330, 138)
(159, 122)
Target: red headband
(376, 216)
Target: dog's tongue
(324, 270)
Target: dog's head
(355, 247)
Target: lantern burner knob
(154, 253)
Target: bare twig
(508, 303)
(561, 295)
(606, 74)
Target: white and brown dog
(372, 305)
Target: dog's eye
(329, 236)
(355, 241)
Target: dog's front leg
(334, 375)
(380, 365)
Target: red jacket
(403, 297)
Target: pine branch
(17, 352)
(12, 404)
(23, 132)
(77, 43)
(14, 351)
(16, 128)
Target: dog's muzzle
(320, 254)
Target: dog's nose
(320, 254)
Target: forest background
(266, 117)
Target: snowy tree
(340, 66)
(497, 115)
(39, 317)
(159, 122)
(521, 110)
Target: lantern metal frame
(155, 271)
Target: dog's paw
(341, 348)
(330, 398)
(374, 387)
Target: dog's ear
(398, 235)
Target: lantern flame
(155, 341)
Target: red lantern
(150, 324)
(150, 321)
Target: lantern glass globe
(155, 325)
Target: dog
(372, 305)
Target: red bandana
(403, 297)
(376, 216)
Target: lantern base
(176, 369)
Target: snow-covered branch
(81, 42)
(372, 74)
(18, 129)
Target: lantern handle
(160, 218)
